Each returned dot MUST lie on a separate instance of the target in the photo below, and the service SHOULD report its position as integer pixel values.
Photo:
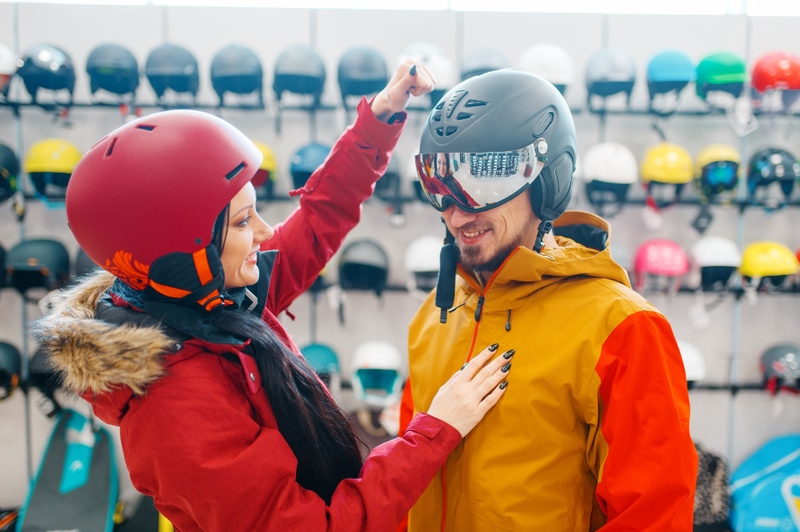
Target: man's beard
(469, 257)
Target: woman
(221, 420)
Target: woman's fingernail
(493, 347)
(508, 354)
(413, 70)
(464, 366)
(503, 385)
(505, 368)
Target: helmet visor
(477, 182)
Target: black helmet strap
(446, 281)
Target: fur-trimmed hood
(94, 355)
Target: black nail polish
(503, 385)
(493, 347)
(464, 366)
(413, 70)
(505, 368)
(508, 354)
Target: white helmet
(713, 260)
(551, 62)
(422, 263)
(375, 373)
(610, 162)
(8, 63)
(436, 61)
(693, 361)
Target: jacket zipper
(478, 313)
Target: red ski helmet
(776, 70)
(155, 186)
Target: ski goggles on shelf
(476, 182)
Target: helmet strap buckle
(544, 227)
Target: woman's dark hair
(317, 431)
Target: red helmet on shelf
(155, 186)
(776, 71)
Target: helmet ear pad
(552, 190)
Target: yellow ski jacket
(594, 427)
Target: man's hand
(410, 79)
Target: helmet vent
(440, 106)
(440, 131)
(111, 147)
(450, 131)
(236, 171)
(437, 117)
(475, 103)
(146, 128)
(463, 116)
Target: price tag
(653, 219)
(742, 118)
(698, 314)
(703, 219)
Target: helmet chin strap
(544, 227)
(446, 281)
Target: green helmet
(721, 71)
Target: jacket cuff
(375, 132)
(435, 428)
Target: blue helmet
(305, 161)
(668, 71)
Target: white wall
(268, 31)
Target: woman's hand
(464, 399)
(410, 79)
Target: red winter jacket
(197, 430)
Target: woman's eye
(243, 223)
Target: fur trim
(92, 354)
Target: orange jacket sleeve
(643, 454)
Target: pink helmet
(659, 256)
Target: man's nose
(459, 217)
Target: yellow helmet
(58, 156)
(768, 259)
(716, 153)
(667, 163)
(268, 162)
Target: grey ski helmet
(363, 265)
(504, 111)
(9, 169)
(170, 66)
(237, 69)
(610, 71)
(113, 68)
(305, 161)
(39, 263)
(361, 71)
(10, 369)
(780, 366)
(299, 69)
(47, 67)
(481, 61)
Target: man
(594, 428)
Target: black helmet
(387, 187)
(305, 161)
(170, 66)
(361, 71)
(10, 369)
(9, 168)
(48, 67)
(363, 265)
(42, 375)
(481, 61)
(299, 69)
(768, 167)
(508, 124)
(113, 68)
(38, 263)
(237, 69)
(780, 367)
(83, 264)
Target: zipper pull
(508, 322)
(478, 310)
